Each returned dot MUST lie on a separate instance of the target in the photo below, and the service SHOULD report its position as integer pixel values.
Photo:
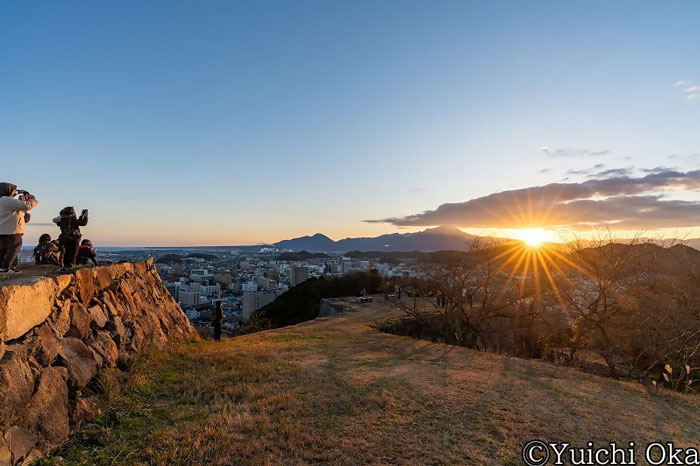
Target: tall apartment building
(299, 274)
(189, 298)
(254, 300)
(346, 265)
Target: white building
(249, 286)
(213, 291)
(189, 298)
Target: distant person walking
(12, 220)
(70, 236)
(218, 320)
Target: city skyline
(228, 123)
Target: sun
(533, 237)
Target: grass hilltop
(337, 391)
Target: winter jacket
(12, 212)
(85, 255)
(47, 253)
(70, 226)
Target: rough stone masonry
(57, 334)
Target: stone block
(79, 321)
(105, 347)
(79, 360)
(16, 385)
(45, 345)
(117, 329)
(20, 442)
(85, 282)
(60, 319)
(103, 277)
(47, 411)
(27, 303)
(97, 316)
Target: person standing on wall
(70, 236)
(12, 219)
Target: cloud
(656, 169)
(614, 172)
(552, 152)
(597, 171)
(691, 90)
(619, 202)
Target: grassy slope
(336, 391)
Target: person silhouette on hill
(70, 224)
(218, 320)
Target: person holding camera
(70, 235)
(12, 220)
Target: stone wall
(333, 306)
(57, 334)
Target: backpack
(46, 253)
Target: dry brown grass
(337, 391)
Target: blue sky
(238, 122)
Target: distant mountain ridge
(433, 239)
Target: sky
(233, 122)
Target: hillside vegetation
(338, 391)
(302, 302)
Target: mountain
(693, 243)
(433, 239)
(317, 242)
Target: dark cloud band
(619, 202)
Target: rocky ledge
(59, 334)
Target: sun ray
(550, 279)
(536, 273)
(526, 267)
(520, 257)
(572, 264)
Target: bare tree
(476, 290)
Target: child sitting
(47, 252)
(86, 253)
